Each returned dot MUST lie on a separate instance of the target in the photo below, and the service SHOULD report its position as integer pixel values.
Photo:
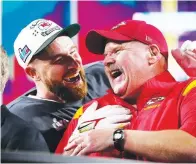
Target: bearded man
(48, 55)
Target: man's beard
(68, 94)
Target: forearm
(166, 145)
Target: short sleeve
(188, 112)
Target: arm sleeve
(28, 139)
(188, 113)
(67, 134)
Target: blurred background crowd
(176, 19)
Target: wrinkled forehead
(60, 45)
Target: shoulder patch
(78, 113)
(189, 87)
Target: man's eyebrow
(115, 48)
(55, 56)
(119, 47)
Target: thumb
(177, 54)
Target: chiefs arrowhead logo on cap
(44, 25)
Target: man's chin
(77, 93)
(120, 90)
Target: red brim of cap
(96, 40)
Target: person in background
(186, 57)
(16, 134)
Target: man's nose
(76, 57)
(108, 61)
(73, 63)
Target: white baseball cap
(36, 36)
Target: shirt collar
(159, 85)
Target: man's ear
(32, 73)
(154, 55)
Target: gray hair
(4, 68)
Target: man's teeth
(73, 78)
(116, 73)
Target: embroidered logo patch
(45, 33)
(24, 52)
(59, 124)
(153, 102)
(86, 126)
(34, 24)
(44, 25)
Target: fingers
(185, 45)
(122, 125)
(118, 118)
(188, 46)
(113, 126)
(184, 58)
(119, 110)
(93, 113)
(177, 54)
(68, 153)
(106, 124)
(73, 143)
(83, 151)
(73, 137)
(70, 146)
(110, 110)
(191, 53)
(77, 150)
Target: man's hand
(110, 116)
(92, 141)
(68, 153)
(186, 57)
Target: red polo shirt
(109, 99)
(162, 104)
(167, 104)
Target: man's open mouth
(115, 73)
(73, 79)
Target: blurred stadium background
(176, 19)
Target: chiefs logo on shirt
(153, 102)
